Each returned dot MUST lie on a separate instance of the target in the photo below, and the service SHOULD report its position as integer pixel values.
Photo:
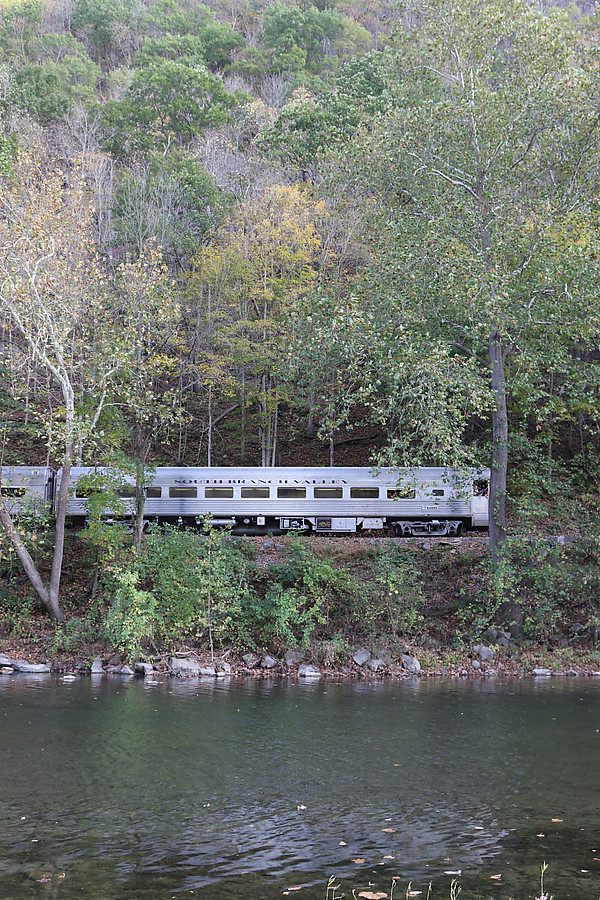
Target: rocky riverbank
(478, 661)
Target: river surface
(246, 790)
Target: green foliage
(168, 99)
(131, 619)
(75, 634)
(301, 589)
(172, 200)
(399, 596)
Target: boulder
(410, 663)
(6, 661)
(542, 672)
(476, 664)
(97, 667)
(251, 660)
(293, 658)
(207, 671)
(305, 671)
(143, 669)
(224, 667)
(184, 666)
(32, 668)
(361, 657)
(268, 662)
(484, 653)
(126, 670)
(375, 665)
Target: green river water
(219, 789)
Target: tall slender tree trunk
(497, 498)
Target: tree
(490, 152)
(51, 299)
(168, 100)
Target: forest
(295, 233)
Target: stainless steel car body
(334, 499)
(27, 490)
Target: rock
(426, 545)
(503, 641)
(32, 668)
(97, 667)
(490, 634)
(576, 628)
(596, 674)
(6, 670)
(224, 667)
(542, 672)
(6, 661)
(268, 662)
(293, 658)
(279, 547)
(268, 544)
(375, 665)
(126, 670)
(113, 670)
(207, 671)
(361, 657)
(464, 673)
(143, 669)
(410, 663)
(251, 660)
(182, 665)
(476, 664)
(115, 660)
(484, 653)
(306, 671)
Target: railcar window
(364, 493)
(126, 491)
(329, 493)
(183, 492)
(84, 492)
(438, 493)
(215, 493)
(13, 491)
(401, 493)
(291, 493)
(153, 493)
(255, 493)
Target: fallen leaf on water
(479, 828)
(295, 887)
(586, 871)
(302, 806)
(540, 835)
(496, 877)
(389, 830)
(413, 893)
(557, 820)
(373, 895)
(396, 765)
(453, 872)
(342, 843)
(358, 861)
(389, 857)
(42, 880)
(62, 875)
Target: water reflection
(210, 785)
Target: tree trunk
(497, 498)
(59, 540)
(29, 567)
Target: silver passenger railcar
(27, 490)
(418, 501)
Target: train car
(27, 491)
(440, 501)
